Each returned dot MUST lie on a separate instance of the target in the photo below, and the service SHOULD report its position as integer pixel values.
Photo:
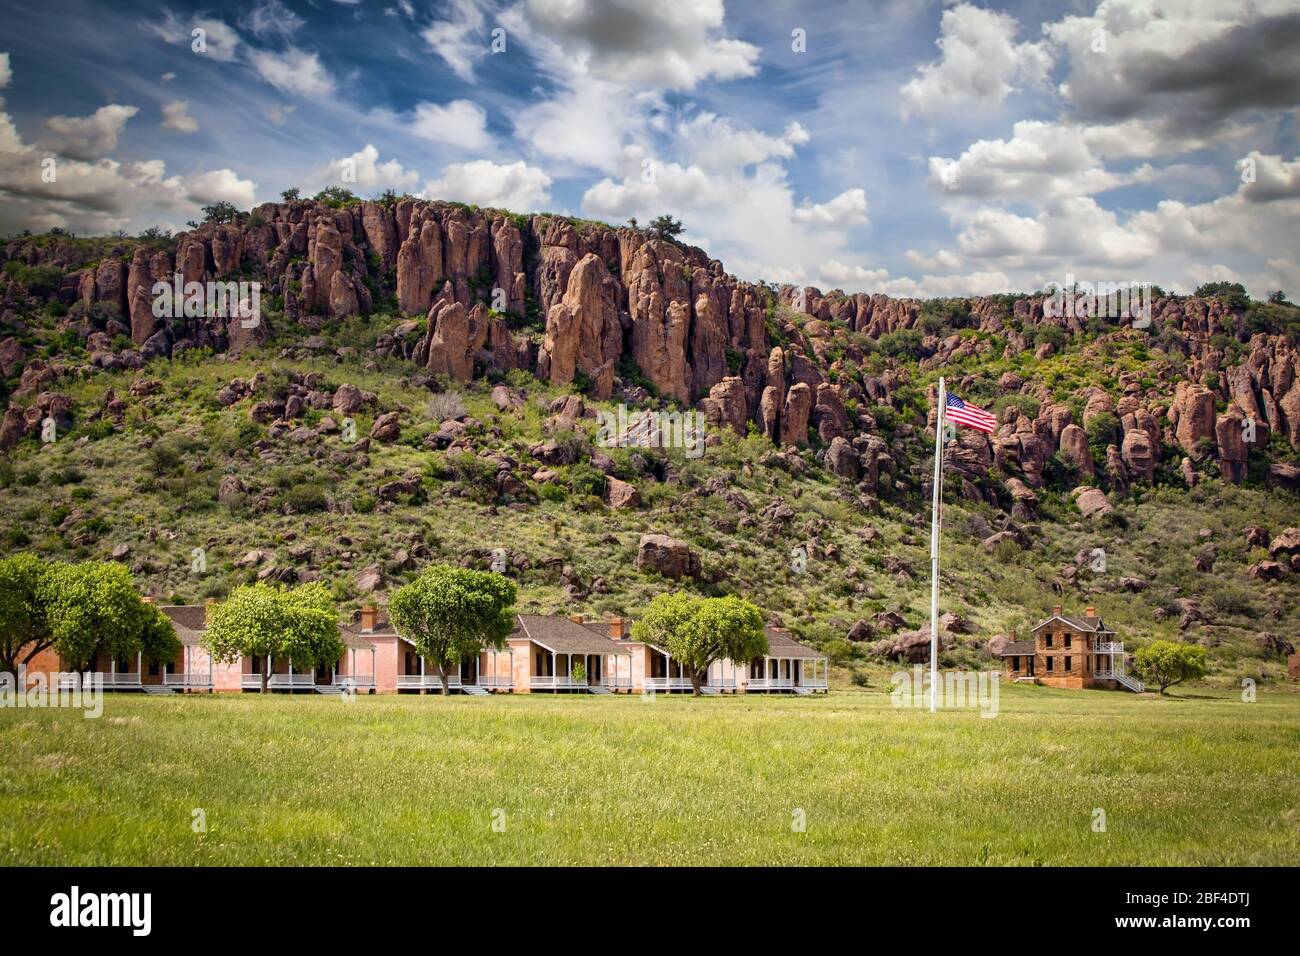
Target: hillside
(472, 348)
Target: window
(1015, 664)
(1067, 643)
(1068, 661)
(1049, 640)
(1049, 665)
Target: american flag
(965, 414)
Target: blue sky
(911, 148)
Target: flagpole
(934, 545)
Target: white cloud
(457, 39)
(99, 196)
(220, 41)
(462, 123)
(293, 71)
(715, 143)
(88, 137)
(669, 44)
(370, 174)
(849, 208)
(176, 117)
(979, 66)
(6, 74)
(1195, 64)
(1273, 177)
(218, 185)
(271, 18)
(514, 186)
(586, 126)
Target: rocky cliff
(489, 292)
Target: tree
(1166, 663)
(300, 624)
(1277, 297)
(336, 197)
(221, 211)
(94, 608)
(698, 631)
(666, 227)
(23, 622)
(454, 614)
(289, 195)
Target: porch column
(421, 670)
(554, 673)
(139, 666)
(374, 678)
(112, 670)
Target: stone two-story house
(1074, 652)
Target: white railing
(771, 683)
(667, 683)
(1112, 647)
(562, 682)
(418, 681)
(187, 680)
(68, 679)
(277, 681)
(1132, 683)
(354, 680)
(493, 683)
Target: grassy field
(1201, 779)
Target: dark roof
(1017, 648)
(1088, 625)
(188, 620)
(781, 644)
(563, 636)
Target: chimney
(369, 613)
(1091, 611)
(616, 628)
(1013, 634)
(576, 618)
(1056, 611)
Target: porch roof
(559, 634)
(781, 644)
(1018, 648)
(190, 621)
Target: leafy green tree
(23, 624)
(1277, 296)
(336, 197)
(666, 227)
(93, 608)
(300, 624)
(290, 195)
(698, 631)
(1166, 663)
(454, 614)
(220, 212)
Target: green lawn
(1203, 779)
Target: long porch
(667, 676)
(282, 676)
(789, 675)
(491, 672)
(573, 672)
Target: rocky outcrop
(726, 405)
(1075, 450)
(668, 556)
(1192, 415)
(583, 333)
